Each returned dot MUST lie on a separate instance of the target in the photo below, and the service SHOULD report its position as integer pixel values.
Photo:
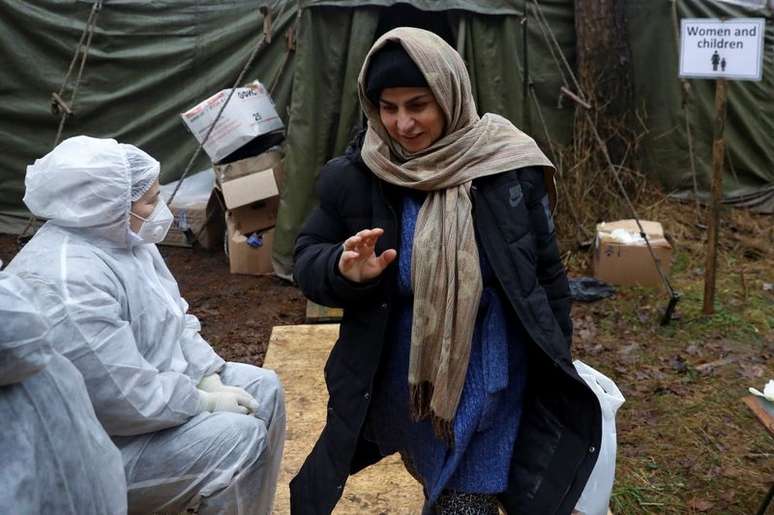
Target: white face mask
(154, 228)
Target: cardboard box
(248, 189)
(249, 114)
(268, 160)
(257, 216)
(629, 262)
(243, 258)
(250, 180)
(195, 206)
(188, 224)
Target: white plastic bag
(596, 495)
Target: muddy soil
(237, 312)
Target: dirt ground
(686, 443)
(237, 312)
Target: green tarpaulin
(481, 7)
(750, 110)
(325, 113)
(148, 62)
(151, 60)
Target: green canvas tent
(150, 60)
(655, 46)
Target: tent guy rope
(581, 101)
(58, 104)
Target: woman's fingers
(351, 242)
(387, 257)
(370, 234)
(348, 259)
(349, 255)
(359, 250)
(364, 241)
(358, 259)
(369, 237)
(374, 266)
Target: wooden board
(763, 411)
(298, 355)
(317, 314)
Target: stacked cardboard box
(197, 212)
(250, 189)
(248, 118)
(201, 223)
(248, 173)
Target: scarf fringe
(419, 409)
(419, 402)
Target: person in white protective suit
(54, 455)
(194, 431)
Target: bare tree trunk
(608, 108)
(604, 73)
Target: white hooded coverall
(54, 455)
(124, 325)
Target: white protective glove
(213, 385)
(224, 401)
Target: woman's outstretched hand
(359, 262)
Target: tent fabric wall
(491, 7)
(494, 54)
(750, 110)
(187, 50)
(325, 113)
(148, 62)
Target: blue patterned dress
(487, 418)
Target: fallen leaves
(701, 505)
(706, 368)
(751, 371)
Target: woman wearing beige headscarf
(434, 233)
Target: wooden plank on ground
(763, 411)
(298, 355)
(317, 314)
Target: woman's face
(144, 205)
(412, 117)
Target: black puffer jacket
(561, 425)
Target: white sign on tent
(722, 49)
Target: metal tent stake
(718, 152)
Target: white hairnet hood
(85, 183)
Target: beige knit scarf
(446, 275)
